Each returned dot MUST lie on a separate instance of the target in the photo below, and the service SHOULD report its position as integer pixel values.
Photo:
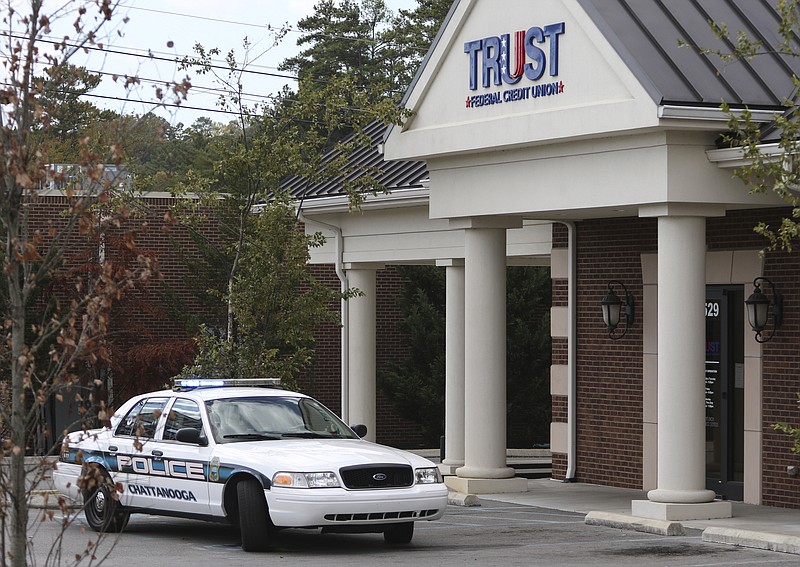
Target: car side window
(183, 413)
(142, 419)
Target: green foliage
(772, 167)
(410, 36)
(793, 432)
(364, 39)
(342, 38)
(276, 301)
(270, 302)
(528, 356)
(415, 386)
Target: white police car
(261, 458)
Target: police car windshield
(273, 417)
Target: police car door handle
(157, 453)
(113, 448)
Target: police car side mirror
(191, 435)
(359, 429)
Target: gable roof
(645, 34)
(393, 174)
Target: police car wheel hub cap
(99, 501)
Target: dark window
(142, 419)
(184, 413)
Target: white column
(454, 368)
(361, 347)
(485, 355)
(681, 492)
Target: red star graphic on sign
(467, 102)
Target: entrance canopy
(584, 109)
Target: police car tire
(254, 520)
(103, 511)
(399, 533)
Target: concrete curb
(757, 540)
(48, 500)
(646, 525)
(461, 499)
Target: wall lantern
(612, 308)
(758, 309)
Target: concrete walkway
(761, 527)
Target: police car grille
(378, 516)
(372, 476)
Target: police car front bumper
(325, 507)
(65, 480)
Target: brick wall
(144, 315)
(780, 357)
(141, 316)
(609, 401)
(609, 388)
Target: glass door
(724, 380)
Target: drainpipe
(344, 286)
(572, 346)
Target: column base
(448, 469)
(472, 471)
(679, 512)
(486, 485)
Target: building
(579, 133)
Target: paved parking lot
(494, 533)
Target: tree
(50, 341)
(410, 36)
(344, 38)
(271, 302)
(276, 302)
(769, 152)
(528, 355)
(415, 385)
(767, 171)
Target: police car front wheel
(254, 522)
(102, 509)
(399, 533)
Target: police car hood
(316, 454)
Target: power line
(268, 27)
(150, 56)
(202, 88)
(153, 57)
(162, 104)
(172, 105)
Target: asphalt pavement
(752, 526)
(493, 533)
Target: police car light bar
(185, 384)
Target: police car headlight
(428, 476)
(305, 480)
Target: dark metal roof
(365, 160)
(645, 33)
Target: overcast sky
(170, 28)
